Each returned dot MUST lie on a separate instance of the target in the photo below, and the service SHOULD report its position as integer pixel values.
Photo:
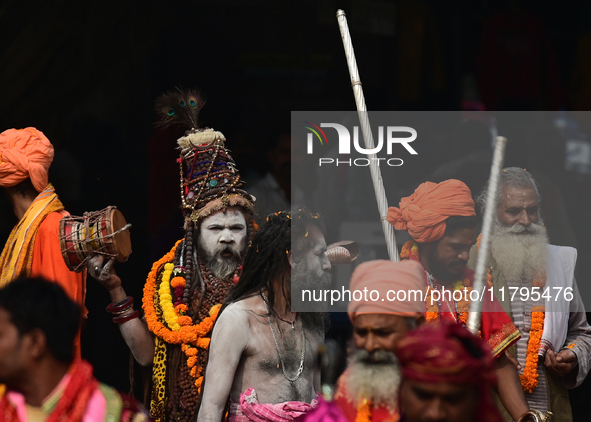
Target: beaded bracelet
(121, 306)
(125, 318)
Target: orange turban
(384, 276)
(423, 214)
(24, 153)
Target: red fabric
(423, 214)
(382, 276)
(49, 263)
(24, 153)
(496, 327)
(349, 406)
(438, 352)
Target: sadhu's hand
(561, 363)
(103, 272)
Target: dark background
(87, 75)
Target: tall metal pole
(374, 168)
(474, 316)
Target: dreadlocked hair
(266, 259)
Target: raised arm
(228, 341)
(135, 332)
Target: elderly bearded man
(185, 289)
(368, 389)
(522, 258)
(441, 220)
(263, 355)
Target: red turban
(445, 351)
(423, 214)
(382, 276)
(24, 153)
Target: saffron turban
(423, 214)
(24, 153)
(384, 276)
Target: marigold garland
(410, 250)
(529, 378)
(364, 413)
(179, 328)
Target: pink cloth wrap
(249, 409)
(383, 275)
(423, 214)
(325, 412)
(24, 153)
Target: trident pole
(487, 227)
(376, 176)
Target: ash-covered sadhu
(185, 289)
(197, 279)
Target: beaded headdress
(210, 181)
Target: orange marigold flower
(364, 412)
(178, 282)
(198, 382)
(181, 307)
(184, 320)
(432, 316)
(190, 351)
(405, 251)
(203, 342)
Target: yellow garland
(168, 312)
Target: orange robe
(49, 263)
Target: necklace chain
(301, 367)
(432, 280)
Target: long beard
(300, 280)
(521, 257)
(375, 376)
(222, 267)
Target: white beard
(521, 257)
(377, 382)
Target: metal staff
(486, 239)
(376, 176)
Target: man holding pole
(441, 220)
(551, 317)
